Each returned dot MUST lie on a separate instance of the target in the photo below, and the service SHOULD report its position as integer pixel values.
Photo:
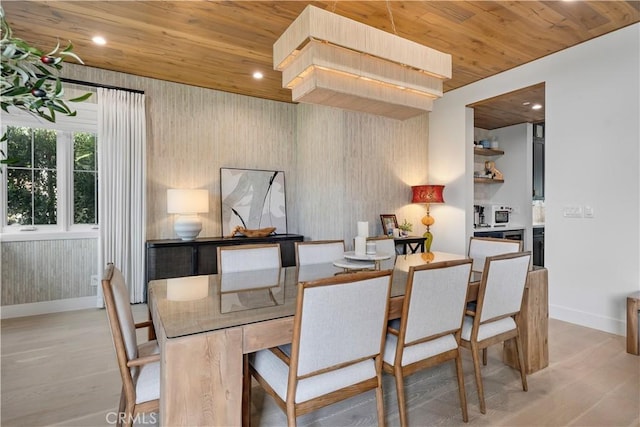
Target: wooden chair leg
(121, 408)
(380, 401)
(476, 368)
(128, 417)
(461, 390)
(402, 409)
(523, 373)
(291, 414)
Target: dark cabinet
(517, 234)
(538, 161)
(177, 258)
(538, 246)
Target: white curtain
(121, 186)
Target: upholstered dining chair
(388, 245)
(336, 350)
(318, 251)
(246, 258)
(482, 247)
(139, 365)
(428, 332)
(498, 306)
(234, 259)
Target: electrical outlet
(572, 212)
(588, 211)
(94, 280)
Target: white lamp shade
(187, 201)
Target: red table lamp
(427, 194)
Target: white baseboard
(590, 320)
(35, 308)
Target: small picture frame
(389, 222)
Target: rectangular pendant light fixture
(331, 60)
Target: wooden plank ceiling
(218, 45)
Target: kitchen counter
(507, 228)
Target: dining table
(204, 326)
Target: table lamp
(427, 194)
(187, 204)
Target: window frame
(86, 120)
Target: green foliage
(85, 179)
(31, 182)
(32, 178)
(30, 79)
(406, 226)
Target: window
(52, 186)
(85, 179)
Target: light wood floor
(60, 369)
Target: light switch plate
(572, 212)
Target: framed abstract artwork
(252, 199)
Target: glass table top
(197, 304)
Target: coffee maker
(478, 216)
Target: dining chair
(318, 251)
(247, 258)
(139, 365)
(495, 317)
(388, 245)
(336, 349)
(237, 258)
(428, 332)
(482, 247)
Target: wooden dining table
(204, 332)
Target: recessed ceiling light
(257, 75)
(526, 103)
(536, 106)
(99, 40)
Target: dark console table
(412, 243)
(178, 258)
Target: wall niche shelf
(487, 152)
(487, 181)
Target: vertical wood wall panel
(353, 167)
(47, 270)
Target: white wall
(592, 158)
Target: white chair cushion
(480, 249)
(388, 246)
(243, 259)
(487, 330)
(276, 373)
(125, 316)
(437, 301)
(417, 352)
(148, 384)
(318, 253)
(349, 317)
(506, 281)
